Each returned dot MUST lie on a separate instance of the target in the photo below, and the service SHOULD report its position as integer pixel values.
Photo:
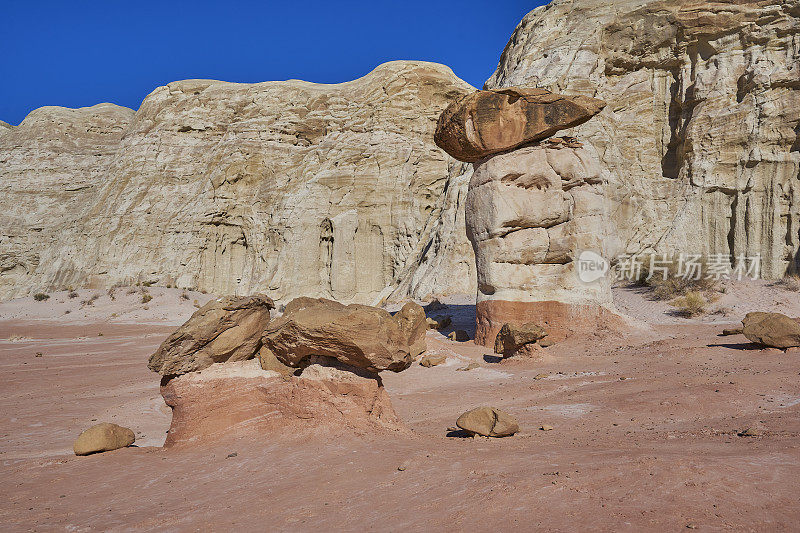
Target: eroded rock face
(52, 167)
(357, 335)
(487, 122)
(771, 329)
(530, 212)
(103, 437)
(286, 188)
(700, 134)
(225, 329)
(240, 400)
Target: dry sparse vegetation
(724, 311)
(40, 296)
(790, 283)
(185, 295)
(146, 297)
(90, 301)
(667, 282)
(72, 294)
(690, 305)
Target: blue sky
(79, 53)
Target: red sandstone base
(208, 410)
(559, 319)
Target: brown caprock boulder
(771, 329)
(360, 336)
(226, 329)
(497, 120)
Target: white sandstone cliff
(288, 188)
(700, 134)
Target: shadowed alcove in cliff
(351, 257)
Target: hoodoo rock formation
(530, 211)
(317, 368)
(700, 134)
(287, 188)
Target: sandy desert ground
(645, 432)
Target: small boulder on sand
(731, 331)
(511, 338)
(458, 335)
(439, 322)
(412, 322)
(489, 422)
(771, 329)
(103, 437)
(432, 360)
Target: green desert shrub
(40, 296)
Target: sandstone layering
(700, 134)
(293, 188)
(530, 213)
(286, 188)
(316, 370)
(241, 400)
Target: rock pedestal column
(533, 210)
